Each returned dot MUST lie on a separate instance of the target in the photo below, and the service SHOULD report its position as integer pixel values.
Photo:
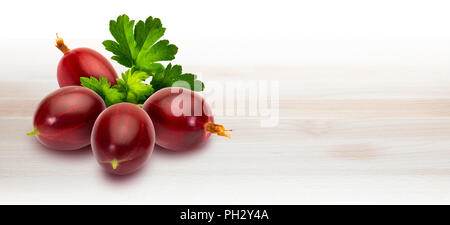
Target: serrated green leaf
(161, 51)
(103, 88)
(173, 77)
(148, 32)
(140, 47)
(124, 47)
(133, 86)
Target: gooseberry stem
(217, 129)
(34, 132)
(60, 45)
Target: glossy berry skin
(64, 119)
(83, 62)
(123, 138)
(179, 116)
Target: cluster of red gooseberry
(123, 135)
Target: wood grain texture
(369, 134)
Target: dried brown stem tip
(60, 45)
(217, 129)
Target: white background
(364, 88)
(249, 32)
(236, 20)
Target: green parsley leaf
(140, 49)
(132, 86)
(103, 88)
(173, 77)
(125, 48)
(138, 46)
